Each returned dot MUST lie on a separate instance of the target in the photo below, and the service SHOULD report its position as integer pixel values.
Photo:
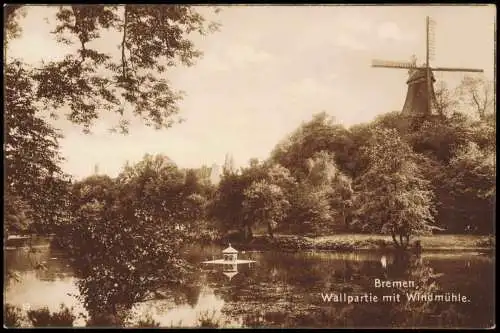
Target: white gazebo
(230, 254)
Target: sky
(270, 68)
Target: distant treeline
(322, 179)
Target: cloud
(307, 87)
(349, 41)
(355, 22)
(391, 31)
(236, 56)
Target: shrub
(207, 320)
(488, 242)
(147, 321)
(39, 317)
(43, 318)
(63, 318)
(12, 316)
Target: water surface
(281, 289)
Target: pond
(305, 289)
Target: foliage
(471, 185)
(13, 13)
(15, 218)
(40, 317)
(393, 197)
(319, 134)
(149, 40)
(12, 316)
(33, 181)
(446, 103)
(265, 203)
(310, 210)
(125, 235)
(257, 195)
(44, 318)
(209, 320)
(440, 140)
(321, 203)
(90, 81)
(348, 243)
(227, 205)
(476, 95)
(148, 321)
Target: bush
(39, 317)
(207, 320)
(104, 320)
(293, 243)
(12, 316)
(148, 321)
(63, 318)
(235, 236)
(487, 242)
(350, 244)
(43, 318)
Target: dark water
(285, 289)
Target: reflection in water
(183, 315)
(230, 270)
(35, 290)
(283, 290)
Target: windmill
(420, 100)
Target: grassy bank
(353, 242)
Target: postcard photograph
(249, 166)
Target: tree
(470, 182)
(16, 219)
(477, 94)
(319, 134)
(126, 234)
(341, 199)
(310, 210)
(149, 38)
(12, 14)
(359, 135)
(446, 102)
(441, 139)
(88, 82)
(265, 203)
(393, 197)
(320, 203)
(226, 206)
(32, 172)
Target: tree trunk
(344, 218)
(249, 234)
(270, 229)
(395, 240)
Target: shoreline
(341, 243)
(356, 242)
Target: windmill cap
(230, 249)
(419, 75)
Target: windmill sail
(420, 102)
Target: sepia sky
(268, 69)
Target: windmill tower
(420, 102)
